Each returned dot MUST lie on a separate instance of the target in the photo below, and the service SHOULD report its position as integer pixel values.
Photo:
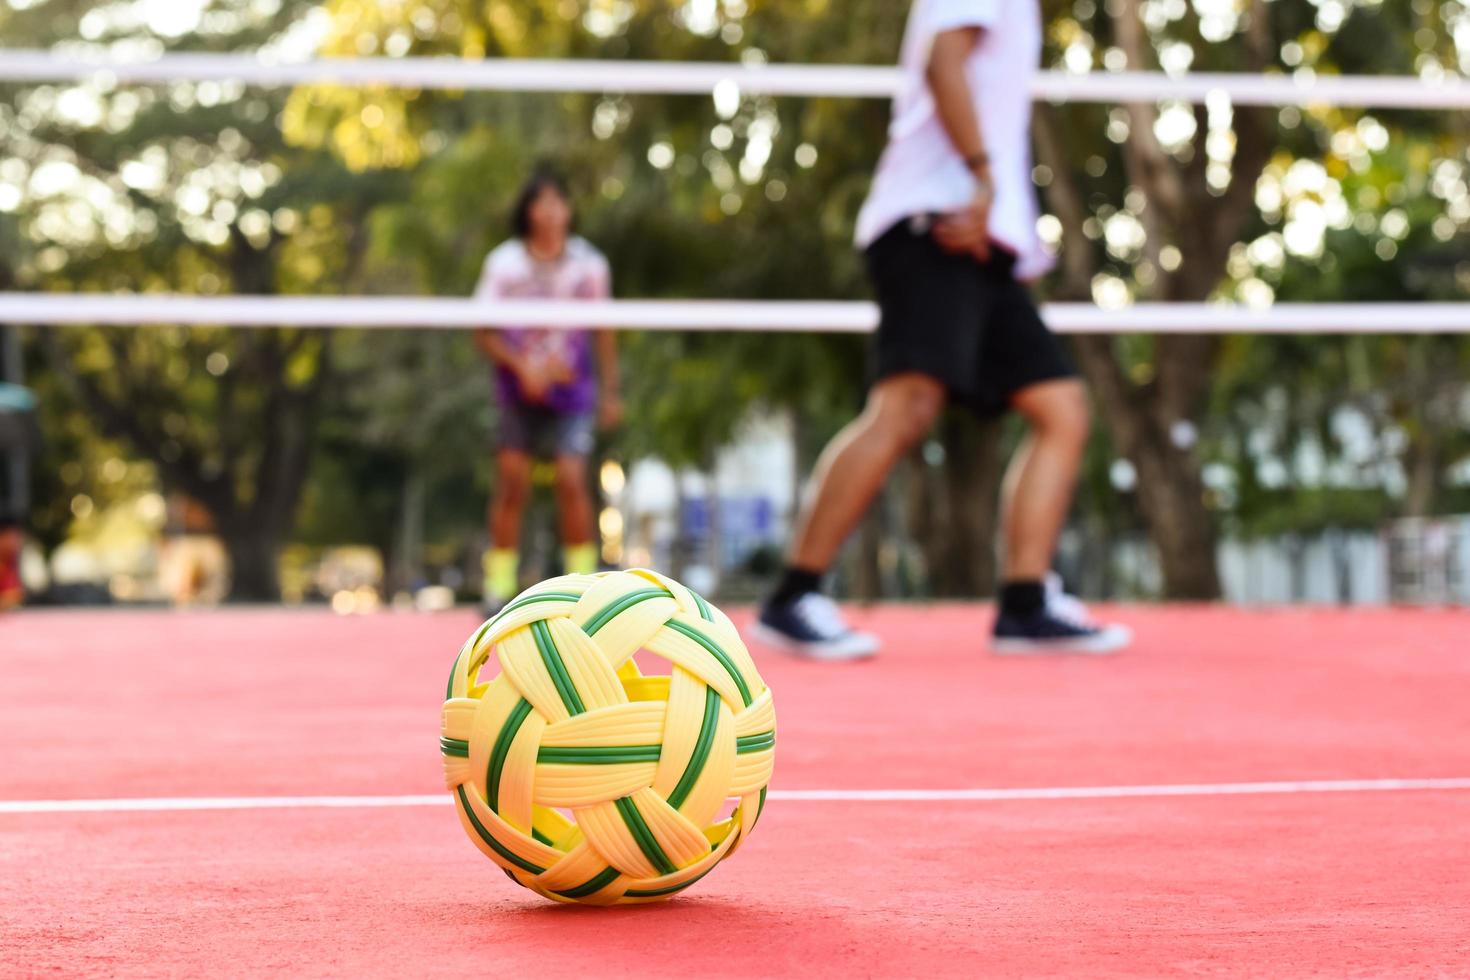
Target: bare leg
(900, 411)
(1041, 478)
(512, 491)
(573, 500)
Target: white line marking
(1120, 792)
(169, 803)
(178, 803)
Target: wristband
(977, 160)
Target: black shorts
(969, 325)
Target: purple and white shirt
(581, 272)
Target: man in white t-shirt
(949, 229)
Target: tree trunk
(923, 520)
(254, 562)
(973, 489)
(1154, 429)
(868, 575)
(408, 546)
(1155, 435)
(1423, 473)
(1421, 458)
(962, 549)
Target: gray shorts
(545, 433)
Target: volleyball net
(1303, 88)
(775, 316)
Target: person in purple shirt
(553, 387)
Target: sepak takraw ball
(587, 780)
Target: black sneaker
(1061, 625)
(811, 625)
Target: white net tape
(696, 78)
(700, 78)
(714, 315)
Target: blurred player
(12, 540)
(553, 387)
(949, 229)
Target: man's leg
(900, 411)
(507, 507)
(574, 514)
(1035, 616)
(1042, 476)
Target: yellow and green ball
(587, 780)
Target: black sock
(794, 582)
(1021, 598)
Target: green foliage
(215, 189)
(183, 189)
(694, 226)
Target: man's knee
(906, 407)
(1058, 409)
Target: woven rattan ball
(587, 780)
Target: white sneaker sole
(1110, 639)
(853, 646)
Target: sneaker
(812, 626)
(1062, 625)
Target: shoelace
(820, 614)
(1068, 608)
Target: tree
(196, 188)
(687, 196)
(1190, 192)
(1193, 203)
(187, 189)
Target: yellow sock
(579, 559)
(502, 572)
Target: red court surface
(1271, 794)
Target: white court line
(179, 803)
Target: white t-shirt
(581, 272)
(920, 171)
(510, 272)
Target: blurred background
(196, 466)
